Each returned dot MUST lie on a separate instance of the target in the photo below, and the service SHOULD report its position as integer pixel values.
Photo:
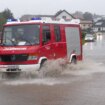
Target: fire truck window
(57, 33)
(46, 34)
(21, 35)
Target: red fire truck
(28, 44)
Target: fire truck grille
(14, 58)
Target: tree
(2, 21)
(78, 15)
(88, 16)
(7, 14)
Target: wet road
(83, 84)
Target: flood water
(57, 85)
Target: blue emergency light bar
(12, 20)
(37, 18)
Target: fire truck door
(46, 41)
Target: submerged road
(83, 84)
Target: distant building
(28, 17)
(86, 24)
(64, 15)
(99, 26)
(59, 15)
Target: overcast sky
(21, 7)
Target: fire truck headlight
(32, 57)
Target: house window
(57, 33)
(64, 17)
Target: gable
(64, 15)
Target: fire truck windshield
(21, 35)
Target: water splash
(55, 73)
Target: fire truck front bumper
(19, 68)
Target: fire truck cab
(27, 44)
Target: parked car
(89, 37)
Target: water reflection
(95, 50)
(99, 43)
(89, 45)
(99, 37)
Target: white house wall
(64, 14)
(85, 26)
(103, 28)
(95, 29)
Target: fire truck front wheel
(74, 60)
(43, 63)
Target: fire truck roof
(39, 20)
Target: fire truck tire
(74, 60)
(42, 63)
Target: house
(29, 17)
(63, 14)
(59, 15)
(99, 26)
(86, 24)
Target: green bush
(83, 36)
